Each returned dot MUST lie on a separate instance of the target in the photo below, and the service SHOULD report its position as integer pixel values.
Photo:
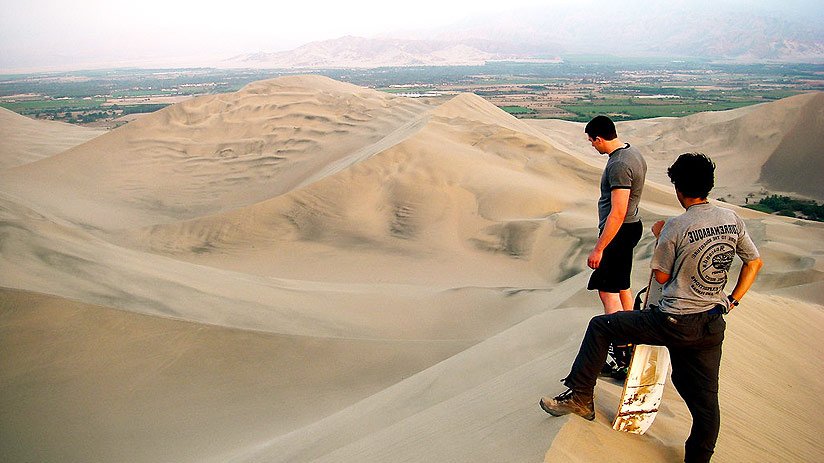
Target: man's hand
(594, 259)
(746, 278)
(656, 228)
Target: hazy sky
(38, 33)
(116, 29)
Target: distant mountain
(362, 52)
(699, 28)
(642, 28)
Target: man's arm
(619, 202)
(660, 276)
(746, 278)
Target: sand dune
(212, 153)
(24, 140)
(778, 141)
(309, 271)
(771, 132)
(461, 189)
(793, 164)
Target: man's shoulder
(629, 156)
(630, 148)
(676, 223)
(707, 215)
(720, 213)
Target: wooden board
(644, 385)
(643, 389)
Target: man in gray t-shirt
(697, 249)
(692, 261)
(625, 169)
(619, 222)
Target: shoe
(607, 369)
(570, 402)
(619, 373)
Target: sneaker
(570, 402)
(607, 369)
(619, 373)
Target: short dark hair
(693, 174)
(601, 126)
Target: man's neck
(614, 144)
(687, 202)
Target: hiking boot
(568, 402)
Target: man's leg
(613, 302)
(626, 299)
(706, 424)
(695, 376)
(612, 277)
(636, 327)
(633, 326)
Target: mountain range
(641, 29)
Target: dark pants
(694, 343)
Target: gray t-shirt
(625, 168)
(697, 249)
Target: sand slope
(24, 140)
(309, 271)
(87, 383)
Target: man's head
(693, 175)
(600, 130)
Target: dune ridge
(776, 139)
(310, 271)
(24, 140)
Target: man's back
(698, 248)
(625, 168)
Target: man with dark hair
(619, 222)
(692, 259)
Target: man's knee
(603, 325)
(598, 322)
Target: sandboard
(647, 375)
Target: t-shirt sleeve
(745, 248)
(619, 176)
(663, 259)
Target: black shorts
(613, 273)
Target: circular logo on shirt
(715, 262)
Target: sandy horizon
(310, 271)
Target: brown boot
(568, 402)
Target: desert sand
(310, 271)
